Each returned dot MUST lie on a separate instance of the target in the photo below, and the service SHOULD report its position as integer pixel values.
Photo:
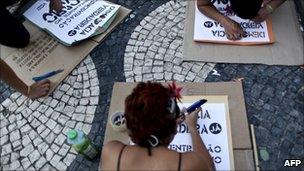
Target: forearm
(210, 11)
(9, 76)
(199, 147)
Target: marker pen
(196, 105)
(47, 75)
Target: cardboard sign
(45, 54)
(208, 30)
(242, 146)
(77, 21)
(288, 49)
(213, 125)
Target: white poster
(208, 30)
(214, 131)
(78, 19)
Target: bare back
(137, 158)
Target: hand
(233, 30)
(39, 89)
(56, 5)
(191, 118)
(262, 15)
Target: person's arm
(36, 90)
(198, 145)
(267, 9)
(233, 30)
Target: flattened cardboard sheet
(45, 54)
(209, 30)
(238, 118)
(213, 125)
(287, 50)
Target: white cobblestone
(14, 165)
(50, 138)
(15, 135)
(25, 163)
(49, 154)
(42, 148)
(3, 139)
(64, 150)
(42, 108)
(6, 149)
(40, 163)
(60, 139)
(69, 159)
(51, 124)
(55, 148)
(26, 150)
(35, 155)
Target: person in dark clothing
(13, 33)
(255, 10)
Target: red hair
(146, 112)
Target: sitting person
(255, 10)
(152, 117)
(14, 34)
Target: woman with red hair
(152, 116)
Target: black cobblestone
(274, 102)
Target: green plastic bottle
(82, 144)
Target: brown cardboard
(60, 56)
(238, 117)
(121, 15)
(243, 160)
(287, 50)
(242, 145)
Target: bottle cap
(72, 134)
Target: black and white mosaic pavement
(147, 46)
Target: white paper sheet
(78, 19)
(213, 130)
(208, 30)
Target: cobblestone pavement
(147, 46)
(33, 133)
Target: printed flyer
(77, 21)
(213, 125)
(208, 30)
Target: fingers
(46, 81)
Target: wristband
(269, 8)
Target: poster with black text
(213, 125)
(77, 21)
(209, 30)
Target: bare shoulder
(111, 147)
(109, 154)
(191, 161)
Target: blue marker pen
(47, 75)
(196, 105)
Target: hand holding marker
(196, 105)
(47, 75)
